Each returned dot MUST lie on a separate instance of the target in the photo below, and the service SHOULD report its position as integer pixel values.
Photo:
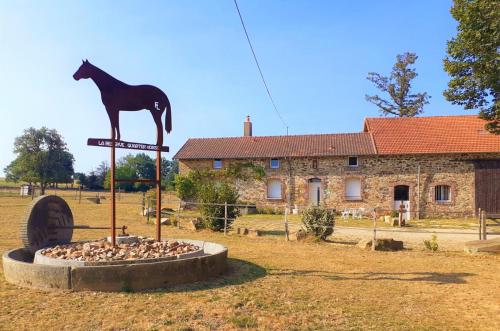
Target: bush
(185, 187)
(318, 221)
(214, 197)
(270, 211)
(432, 244)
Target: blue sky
(315, 56)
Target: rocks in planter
(385, 244)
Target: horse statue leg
(114, 121)
(159, 126)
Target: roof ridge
(422, 117)
(284, 136)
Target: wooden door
(487, 175)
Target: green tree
(101, 173)
(213, 196)
(403, 102)
(123, 170)
(42, 157)
(473, 60)
(82, 178)
(169, 169)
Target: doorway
(315, 191)
(402, 196)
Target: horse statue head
(84, 71)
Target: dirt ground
(271, 285)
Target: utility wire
(258, 67)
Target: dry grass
(271, 285)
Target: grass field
(271, 285)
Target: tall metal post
(112, 188)
(158, 195)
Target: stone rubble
(101, 250)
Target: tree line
(43, 158)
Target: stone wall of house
(378, 176)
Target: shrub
(318, 221)
(432, 244)
(185, 187)
(212, 197)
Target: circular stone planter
(21, 268)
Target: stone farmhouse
(434, 166)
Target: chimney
(247, 128)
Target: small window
(275, 164)
(315, 164)
(274, 189)
(442, 193)
(353, 189)
(217, 164)
(352, 161)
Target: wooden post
(143, 203)
(158, 195)
(484, 225)
(112, 189)
(119, 193)
(374, 239)
(32, 192)
(287, 235)
(80, 194)
(225, 218)
(147, 210)
(480, 215)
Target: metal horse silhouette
(118, 96)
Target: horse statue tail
(168, 116)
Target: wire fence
(279, 220)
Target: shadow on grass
(430, 277)
(273, 232)
(238, 272)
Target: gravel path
(448, 239)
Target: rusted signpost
(118, 96)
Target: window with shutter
(274, 189)
(353, 189)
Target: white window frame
(268, 189)
(357, 161)
(271, 164)
(439, 190)
(346, 190)
(219, 162)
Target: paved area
(448, 239)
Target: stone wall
(378, 176)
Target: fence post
(480, 224)
(32, 192)
(147, 210)
(484, 225)
(287, 235)
(80, 194)
(225, 218)
(119, 193)
(143, 202)
(374, 239)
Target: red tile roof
(440, 134)
(278, 146)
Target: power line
(258, 67)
